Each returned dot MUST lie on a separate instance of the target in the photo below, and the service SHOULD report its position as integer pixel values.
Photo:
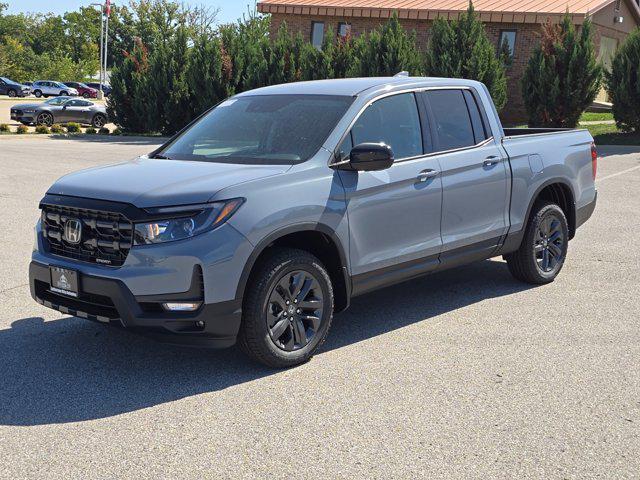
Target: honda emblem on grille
(73, 230)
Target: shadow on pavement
(611, 150)
(71, 370)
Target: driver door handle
(491, 161)
(425, 175)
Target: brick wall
(526, 38)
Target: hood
(23, 106)
(148, 182)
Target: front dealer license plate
(64, 281)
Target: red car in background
(83, 89)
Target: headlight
(184, 222)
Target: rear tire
(99, 121)
(287, 309)
(544, 247)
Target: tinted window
(317, 34)
(261, 129)
(479, 129)
(451, 116)
(393, 120)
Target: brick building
(517, 21)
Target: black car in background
(105, 88)
(13, 89)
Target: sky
(230, 10)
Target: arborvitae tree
(343, 56)
(204, 74)
(461, 49)
(563, 76)
(385, 51)
(316, 64)
(284, 61)
(623, 84)
(128, 106)
(248, 46)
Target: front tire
(12, 93)
(44, 118)
(37, 93)
(287, 310)
(64, 94)
(86, 95)
(544, 247)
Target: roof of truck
(353, 86)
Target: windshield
(263, 129)
(57, 100)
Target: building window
(507, 37)
(617, 7)
(344, 29)
(317, 34)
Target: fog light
(181, 306)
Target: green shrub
(43, 129)
(563, 76)
(73, 127)
(104, 131)
(22, 129)
(117, 131)
(57, 128)
(461, 49)
(387, 50)
(623, 84)
(4, 127)
(90, 131)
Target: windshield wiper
(161, 157)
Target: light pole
(100, 93)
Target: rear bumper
(109, 301)
(584, 213)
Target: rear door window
(452, 122)
(394, 121)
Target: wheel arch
(558, 191)
(318, 239)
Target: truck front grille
(105, 237)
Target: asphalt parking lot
(466, 373)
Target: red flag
(108, 7)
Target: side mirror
(368, 157)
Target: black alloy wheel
(544, 247)
(287, 308)
(294, 310)
(549, 244)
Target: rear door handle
(491, 161)
(425, 175)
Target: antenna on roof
(403, 73)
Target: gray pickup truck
(264, 217)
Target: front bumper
(23, 118)
(109, 301)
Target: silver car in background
(60, 110)
(49, 88)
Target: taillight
(594, 159)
